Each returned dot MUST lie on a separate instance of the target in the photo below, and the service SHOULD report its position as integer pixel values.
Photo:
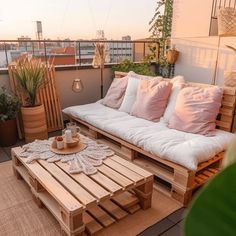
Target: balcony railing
(77, 53)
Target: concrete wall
(198, 50)
(64, 80)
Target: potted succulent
(29, 73)
(9, 108)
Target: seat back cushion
(196, 110)
(178, 83)
(151, 100)
(131, 93)
(115, 93)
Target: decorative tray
(69, 148)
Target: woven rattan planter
(34, 122)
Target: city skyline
(76, 19)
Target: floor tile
(157, 228)
(3, 156)
(174, 231)
(177, 216)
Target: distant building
(24, 41)
(126, 38)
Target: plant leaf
(214, 211)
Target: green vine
(160, 28)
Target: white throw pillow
(178, 83)
(143, 77)
(130, 95)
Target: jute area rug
(19, 215)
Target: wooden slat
(202, 176)
(226, 111)
(155, 169)
(211, 161)
(91, 225)
(115, 176)
(101, 216)
(208, 173)
(125, 200)
(113, 209)
(95, 189)
(228, 104)
(223, 124)
(123, 170)
(72, 186)
(133, 209)
(47, 95)
(213, 170)
(229, 90)
(51, 185)
(106, 183)
(133, 167)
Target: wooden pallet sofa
(171, 179)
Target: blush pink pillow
(115, 94)
(151, 100)
(196, 110)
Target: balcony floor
(170, 226)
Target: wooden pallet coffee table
(86, 203)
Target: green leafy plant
(9, 105)
(30, 75)
(213, 213)
(160, 28)
(139, 68)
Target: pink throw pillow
(196, 110)
(115, 94)
(151, 100)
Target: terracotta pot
(8, 133)
(34, 123)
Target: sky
(76, 19)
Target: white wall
(198, 50)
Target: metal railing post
(5, 49)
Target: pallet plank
(91, 225)
(132, 167)
(72, 186)
(115, 176)
(107, 183)
(101, 216)
(113, 209)
(123, 170)
(125, 200)
(95, 189)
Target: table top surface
(79, 191)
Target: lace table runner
(83, 161)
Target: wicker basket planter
(34, 123)
(227, 22)
(172, 56)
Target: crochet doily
(83, 161)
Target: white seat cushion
(183, 148)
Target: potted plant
(9, 108)
(29, 73)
